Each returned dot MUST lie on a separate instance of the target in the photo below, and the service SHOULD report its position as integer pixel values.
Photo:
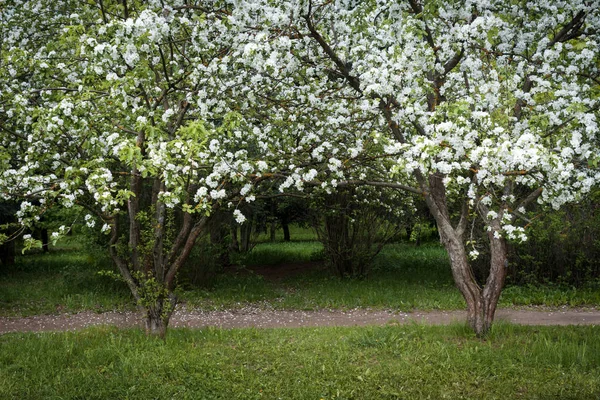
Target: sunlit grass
(281, 253)
(297, 234)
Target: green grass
(392, 362)
(552, 295)
(403, 277)
(61, 281)
(281, 253)
(297, 234)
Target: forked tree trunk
(162, 267)
(481, 302)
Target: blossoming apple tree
(481, 107)
(101, 107)
(153, 114)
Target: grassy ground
(297, 234)
(64, 280)
(404, 277)
(393, 362)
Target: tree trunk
(498, 269)
(234, 245)
(246, 236)
(272, 230)
(481, 303)
(158, 316)
(286, 230)
(7, 253)
(45, 240)
(156, 325)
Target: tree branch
(343, 67)
(383, 184)
(120, 262)
(194, 233)
(571, 30)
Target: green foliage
(392, 362)
(282, 253)
(563, 247)
(30, 244)
(152, 292)
(423, 232)
(298, 233)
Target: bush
(563, 247)
(355, 224)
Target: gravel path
(260, 318)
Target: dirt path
(259, 318)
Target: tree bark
(272, 230)
(234, 245)
(45, 240)
(158, 316)
(246, 236)
(273, 224)
(481, 302)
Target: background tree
(563, 246)
(354, 223)
(9, 231)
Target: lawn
(391, 362)
(404, 277)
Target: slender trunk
(273, 224)
(45, 240)
(463, 277)
(246, 236)
(119, 261)
(498, 270)
(157, 257)
(272, 230)
(218, 231)
(286, 230)
(234, 245)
